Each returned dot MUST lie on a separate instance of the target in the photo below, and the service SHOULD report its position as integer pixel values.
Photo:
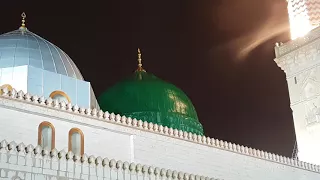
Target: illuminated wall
(40, 82)
(108, 137)
(304, 15)
(300, 60)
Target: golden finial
(140, 61)
(24, 16)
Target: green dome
(146, 97)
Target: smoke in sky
(250, 23)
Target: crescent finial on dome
(23, 25)
(140, 61)
(24, 16)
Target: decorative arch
(76, 141)
(8, 86)
(54, 94)
(46, 135)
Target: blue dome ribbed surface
(22, 47)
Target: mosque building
(143, 128)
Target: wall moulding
(285, 48)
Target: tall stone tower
(300, 60)
(304, 15)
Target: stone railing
(284, 48)
(24, 162)
(155, 128)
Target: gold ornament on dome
(24, 16)
(140, 68)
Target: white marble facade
(126, 140)
(300, 60)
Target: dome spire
(140, 62)
(23, 15)
(23, 25)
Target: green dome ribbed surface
(146, 97)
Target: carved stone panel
(310, 89)
(299, 59)
(312, 112)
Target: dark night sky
(219, 52)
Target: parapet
(282, 49)
(20, 161)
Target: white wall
(304, 90)
(20, 162)
(23, 127)
(190, 157)
(300, 60)
(152, 145)
(308, 135)
(15, 76)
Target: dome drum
(172, 120)
(34, 65)
(44, 83)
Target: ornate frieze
(296, 61)
(285, 48)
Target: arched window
(76, 141)
(46, 136)
(8, 86)
(60, 96)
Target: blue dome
(34, 65)
(22, 47)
